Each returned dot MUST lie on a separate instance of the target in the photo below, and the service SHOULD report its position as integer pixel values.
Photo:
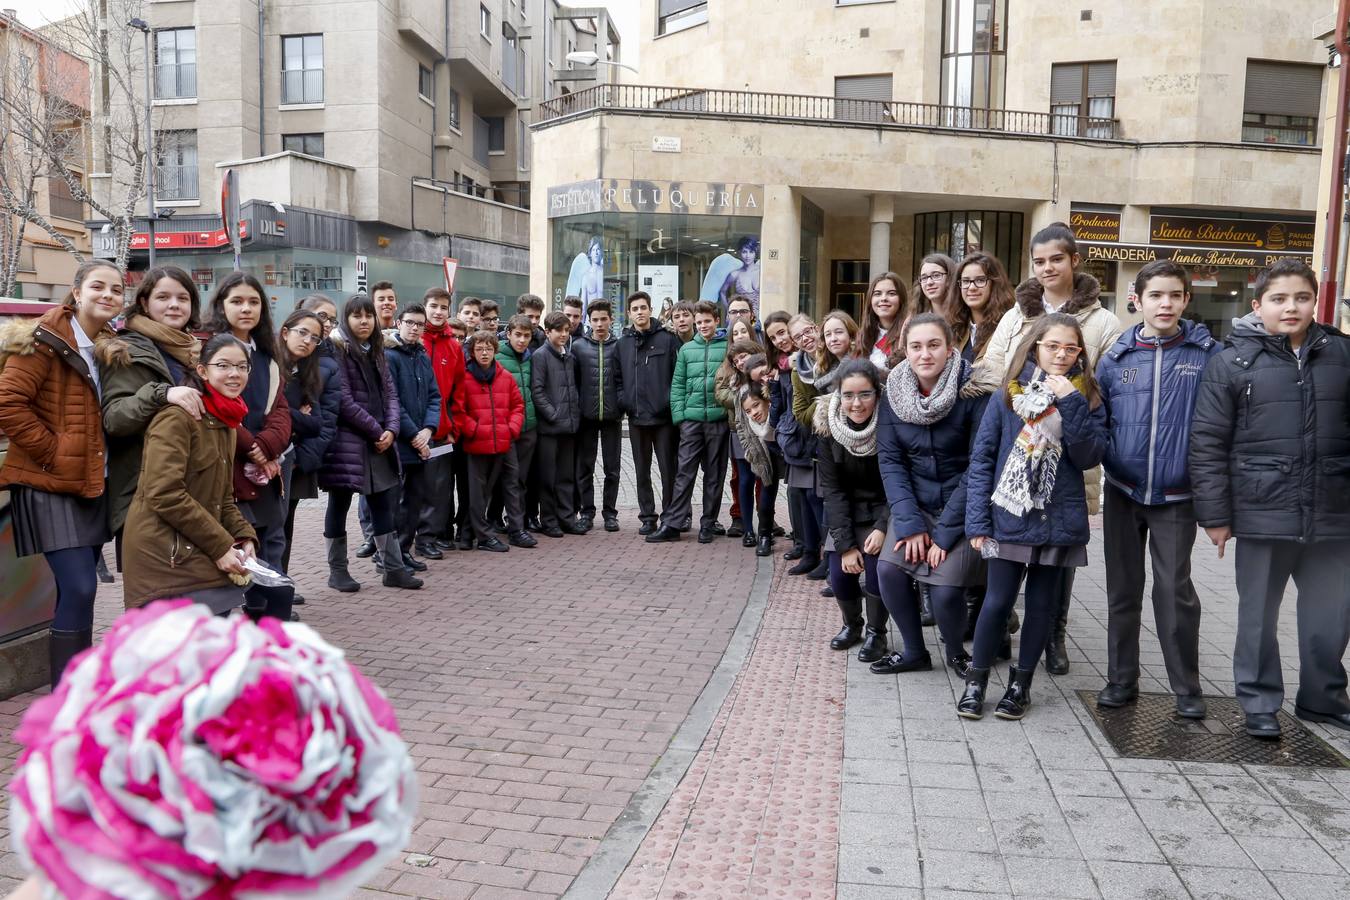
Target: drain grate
(1151, 729)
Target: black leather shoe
(297, 600)
(1263, 725)
(366, 550)
(897, 663)
(827, 591)
(706, 535)
(664, 534)
(585, 523)
(1114, 696)
(735, 530)
(1017, 698)
(1335, 720)
(797, 552)
(415, 564)
(611, 523)
(959, 663)
(646, 528)
(806, 564)
(821, 571)
(429, 551)
(523, 540)
(748, 539)
(533, 524)
(971, 704)
(552, 531)
(778, 531)
(847, 637)
(765, 547)
(718, 530)
(1192, 706)
(570, 527)
(442, 544)
(465, 543)
(874, 646)
(493, 545)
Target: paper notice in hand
(440, 451)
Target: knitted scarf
(857, 441)
(229, 410)
(908, 401)
(1028, 477)
(754, 441)
(183, 346)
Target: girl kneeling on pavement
(185, 536)
(361, 459)
(57, 464)
(855, 499)
(1026, 504)
(923, 445)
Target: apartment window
(309, 144)
(176, 174)
(484, 22)
(302, 68)
(864, 98)
(677, 15)
(496, 134)
(1083, 99)
(1282, 103)
(480, 140)
(62, 202)
(426, 83)
(175, 63)
(453, 106)
(509, 74)
(974, 43)
(523, 146)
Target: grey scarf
(857, 441)
(909, 403)
(753, 441)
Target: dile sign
(272, 227)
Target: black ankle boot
(925, 605)
(874, 645)
(807, 563)
(851, 633)
(1017, 699)
(971, 704)
(959, 662)
(748, 539)
(821, 571)
(765, 547)
(797, 552)
(62, 647)
(1056, 654)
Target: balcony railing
(805, 108)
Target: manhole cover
(1151, 729)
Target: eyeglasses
(932, 276)
(325, 318)
(978, 281)
(805, 330)
(1054, 348)
(306, 335)
(858, 397)
(414, 326)
(225, 368)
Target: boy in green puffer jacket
(703, 428)
(514, 357)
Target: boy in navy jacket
(419, 403)
(1149, 382)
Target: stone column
(881, 216)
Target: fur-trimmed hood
(18, 336)
(1086, 294)
(820, 418)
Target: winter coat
(647, 361)
(1270, 443)
(1100, 326)
(268, 425)
(447, 366)
(492, 411)
(795, 441)
(183, 517)
(1064, 521)
(49, 407)
(924, 468)
(553, 383)
(135, 384)
(520, 368)
(693, 385)
(419, 401)
(344, 465)
(1149, 386)
(600, 384)
(852, 491)
(311, 434)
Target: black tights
(383, 511)
(76, 584)
(1044, 585)
(901, 597)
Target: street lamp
(591, 58)
(144, 28)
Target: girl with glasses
(979, 296)
(186, 536)
(933, 283)
(1026, 502)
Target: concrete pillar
(779, 246)
(881, 216)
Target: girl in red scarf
(185, 537)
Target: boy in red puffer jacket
(490, 412)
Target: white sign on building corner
(665, 144)
(361, 275)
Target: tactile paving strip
(1151, 729)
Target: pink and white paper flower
(189, 756)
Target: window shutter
(863, 87)
(1101, 79)
(1066, 84)
(1284, 89)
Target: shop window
(176, 174)
(175, 63)
(863, 98)
(974, 43)
(1282, 103)
(310, 144)
(959, 233)
(677, 15)
(1083, 99)
(426, 83)
(302, 68)
(309, 277)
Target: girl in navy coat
(1026, 505)
(924, 439)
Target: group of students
(940, 458)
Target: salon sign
(678, 197)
